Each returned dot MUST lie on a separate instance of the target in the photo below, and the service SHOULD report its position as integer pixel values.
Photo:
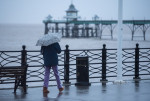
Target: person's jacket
(50, 54)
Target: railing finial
(23, 47)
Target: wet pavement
(128, 91)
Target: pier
(94, 28)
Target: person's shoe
(45, 90)
(61, 89)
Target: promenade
(128, 91)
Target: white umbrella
(49, 39)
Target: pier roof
(72, 8)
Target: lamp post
(119, 46)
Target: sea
(13, 36)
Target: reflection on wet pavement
(129, 91)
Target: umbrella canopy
(49, 39)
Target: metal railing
(102, 63)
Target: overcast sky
(34, 11)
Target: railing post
(23, 56)
(137, 62)
(66, 64)
(24, 64)
(104, 64)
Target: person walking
(51, 61)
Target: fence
(102, 63)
